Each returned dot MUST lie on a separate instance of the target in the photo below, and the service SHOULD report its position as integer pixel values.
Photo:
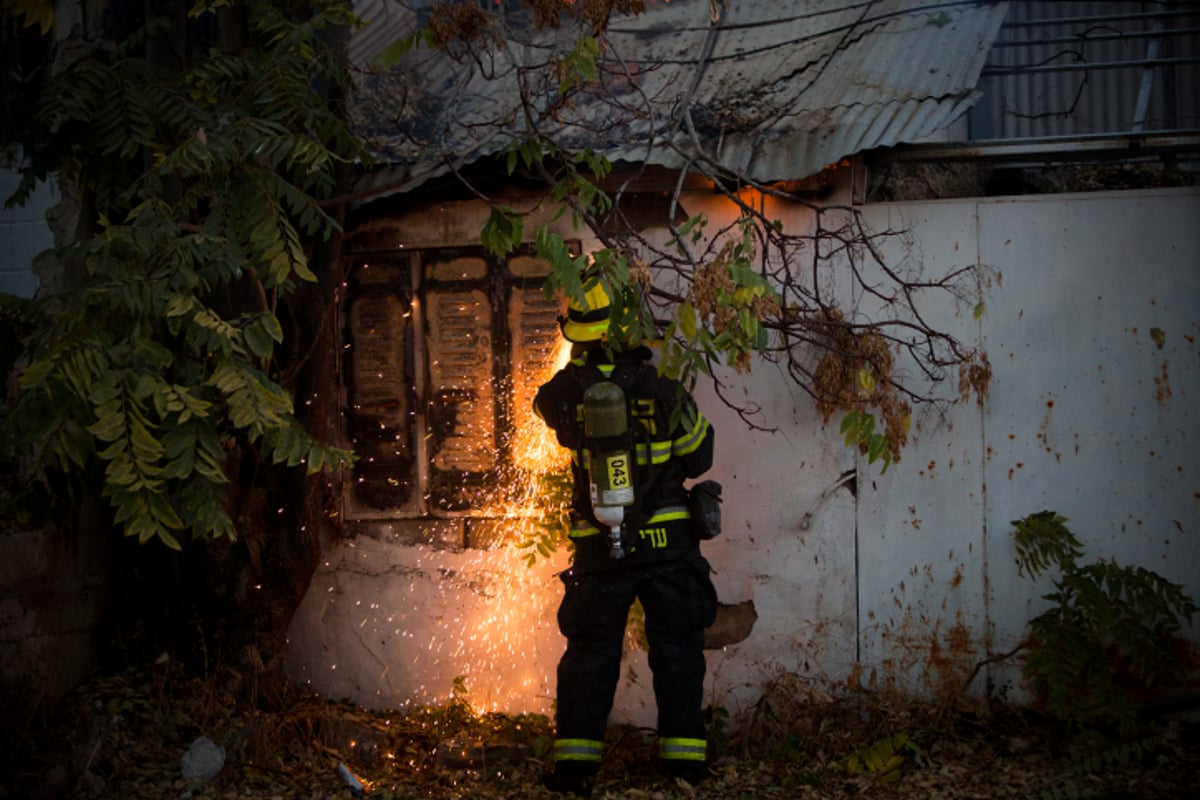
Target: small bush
(1110, 636)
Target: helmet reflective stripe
(585, 332)
(682, 749)
(578, 750)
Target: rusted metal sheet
(1095, 343)
(923, 546)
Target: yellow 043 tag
(618, 471)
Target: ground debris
(122, 736)
(203, 760)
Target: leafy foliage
(205, 185)
(1109, 629)
(854, 374)
(33, 13)
(724, 312)
(859, 430)
(551, 529)
(722, 318)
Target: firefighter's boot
(571, 778)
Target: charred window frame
(440, 351)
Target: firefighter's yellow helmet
(587, 321)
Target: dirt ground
(123, 735)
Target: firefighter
(657, 560)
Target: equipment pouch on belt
(704, 504)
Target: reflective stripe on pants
(578, 750)
(682, 749)
(679, 603)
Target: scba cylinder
(606, 426)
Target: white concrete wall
(923, 615)
(1087, 416)
(912, 582)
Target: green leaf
(503, 231)
(877, 448)
(579, 66)
(169, 540)
(146, 448)
(108, 428)
(392, 54)
(316, 459)
(262, 333)
(866, 427)
(850, 420)
(686, 316)
(35, 14)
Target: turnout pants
(679, 602)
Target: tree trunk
(248, 590)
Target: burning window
(443, 350)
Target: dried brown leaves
(855, 373)
(123, 735)
(452, 23)
(468, 23)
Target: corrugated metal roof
(772, 89)
(386, 22)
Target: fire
(534, 451)
(533, 445)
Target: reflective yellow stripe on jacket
(659, 452)
(668, 514)
(691, 438)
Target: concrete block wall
(24, 234)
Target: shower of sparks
(473, 625)
(534, 451)
(487, 615)
(494, 637)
